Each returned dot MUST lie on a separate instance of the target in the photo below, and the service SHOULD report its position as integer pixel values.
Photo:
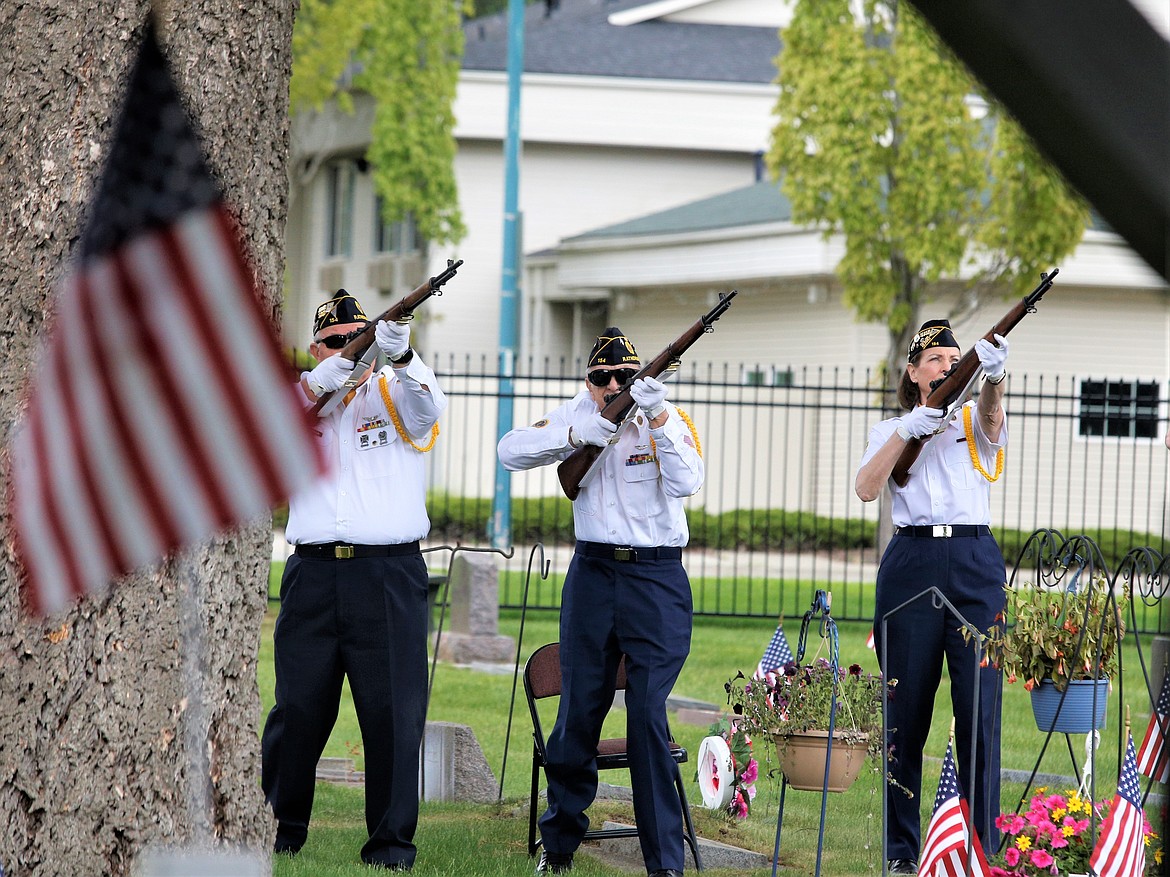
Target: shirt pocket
(640, 488)
(957, 458)
(372, 442)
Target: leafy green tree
(405, 54)
(881, 136)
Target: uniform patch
(687, 440)
(540, 423)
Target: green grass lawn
(490, 839)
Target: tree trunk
(93, 765)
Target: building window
(1124, 409)
(398, 238)
(339, 222)
(766, 377)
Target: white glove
(329, 375)
(992, 358)
(591, 430)
(393, 338)
(650, 394)
(922, 421)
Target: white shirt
(943, 487)
(636, 497)
(375, 491)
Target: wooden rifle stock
(949, 389)
(577, 465)
(403, 308)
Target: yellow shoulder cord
(686, 418)
(384, 387)
(974, 451)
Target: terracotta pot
(802, 758)
(1076, 716)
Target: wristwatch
(903, 433)
(403, 358)
(994, 381)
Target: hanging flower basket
(802, 758)
(1077, 716)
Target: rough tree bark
(92, 762)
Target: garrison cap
(342, 308)
(612, 348)
(934, 333)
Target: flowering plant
(1052, 837)
(745, 768)
(798, 698)
(1047, 627)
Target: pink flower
(1012, 823)
(738, 806)
(1041, 858)
(1011, 857)
(1056, 802)
(750, 773)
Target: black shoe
(901, 866)
(286, 847)
(392, 866)
(665, 872)
(554, 863)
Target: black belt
(625, 553)
(945, 531)
(345, 551)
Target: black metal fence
(778, 517)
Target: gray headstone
(453, 767)
(475, 594)
(202, 863)
(475, 613)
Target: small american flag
(1121, 846)
(1153, 760)
(160, 411)
(944, 854)
(776, 655)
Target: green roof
(756, 204)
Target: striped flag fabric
(160, 411)
(1121, 846)
(944, 853)
(776, 655)
(1153, 760)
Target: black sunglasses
(336, 342)
(601, 378)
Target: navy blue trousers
(364, 619)
(969, 571)
(609, 608)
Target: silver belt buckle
(342, 552)
(941, 531)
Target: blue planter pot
(1077, 715)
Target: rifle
(952, 389)
(361, 347)
(579, 467)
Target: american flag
(1121, 846)
(776, 655)
(1153, 760)
(944, 854)
(159, 412)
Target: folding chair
(542, 678)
